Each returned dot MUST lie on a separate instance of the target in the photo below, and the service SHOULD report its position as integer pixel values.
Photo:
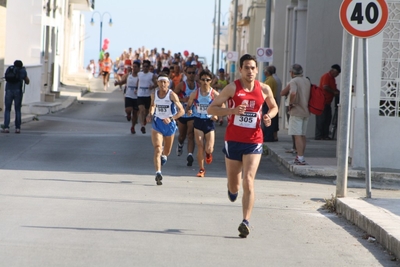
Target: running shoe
(133, 130)
(244, 229)
(209, 158)
(128, 117)
(232, 197)
(158, 179)
(6, 130)
(190, 160)
(201, 173)
(143, 129)
(163, 160)
(179, 150)
(299, 162)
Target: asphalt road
(77, 189)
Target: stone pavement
(379, 216)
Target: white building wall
(23, 31)
(73, 71)
(323, 45)
(74, 42)
(3, 16)
(384, 129)
(278, 23)
(23, 40)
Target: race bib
(162, 109)
(202, 109)
(247, 120)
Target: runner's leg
(199, 138)
(250, 166)
(190, 136)
(168, 142)
(234, 173)
(157, 140)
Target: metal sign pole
(344, 114)
(366, 121)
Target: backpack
(316, 104)
(12, 74)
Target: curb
(328, 171)
(378, 222)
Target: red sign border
(364, 34)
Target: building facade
(45, 36)
(309, 32)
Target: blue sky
(176, 25)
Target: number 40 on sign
(364, 18)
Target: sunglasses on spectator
(205, 80)
(191, 72)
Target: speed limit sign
(364, 18)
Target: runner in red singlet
(244, 137)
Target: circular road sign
(229, 55)
(364, 18)
(268, 52)
(260, 52)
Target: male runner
(131, 80)
(164, 110)
(244, 137)
(106, 70)
(147, 81)
(185, 123)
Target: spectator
(14, 92)
(299, 95)
(268, 132)
(328, 84)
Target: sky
(176, 25)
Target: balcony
(83, 5)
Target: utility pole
(233, 69)
(219, 31)
(267, 35)
(213, 54)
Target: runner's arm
(217, 107)
(151, 109)
(123, 80)
(190, 103)
(181, 110)
(271, 103)
(285, 91)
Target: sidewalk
(378, 216)
(31, 111)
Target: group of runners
(192, 101)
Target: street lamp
(101, 23)
(224, 16)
